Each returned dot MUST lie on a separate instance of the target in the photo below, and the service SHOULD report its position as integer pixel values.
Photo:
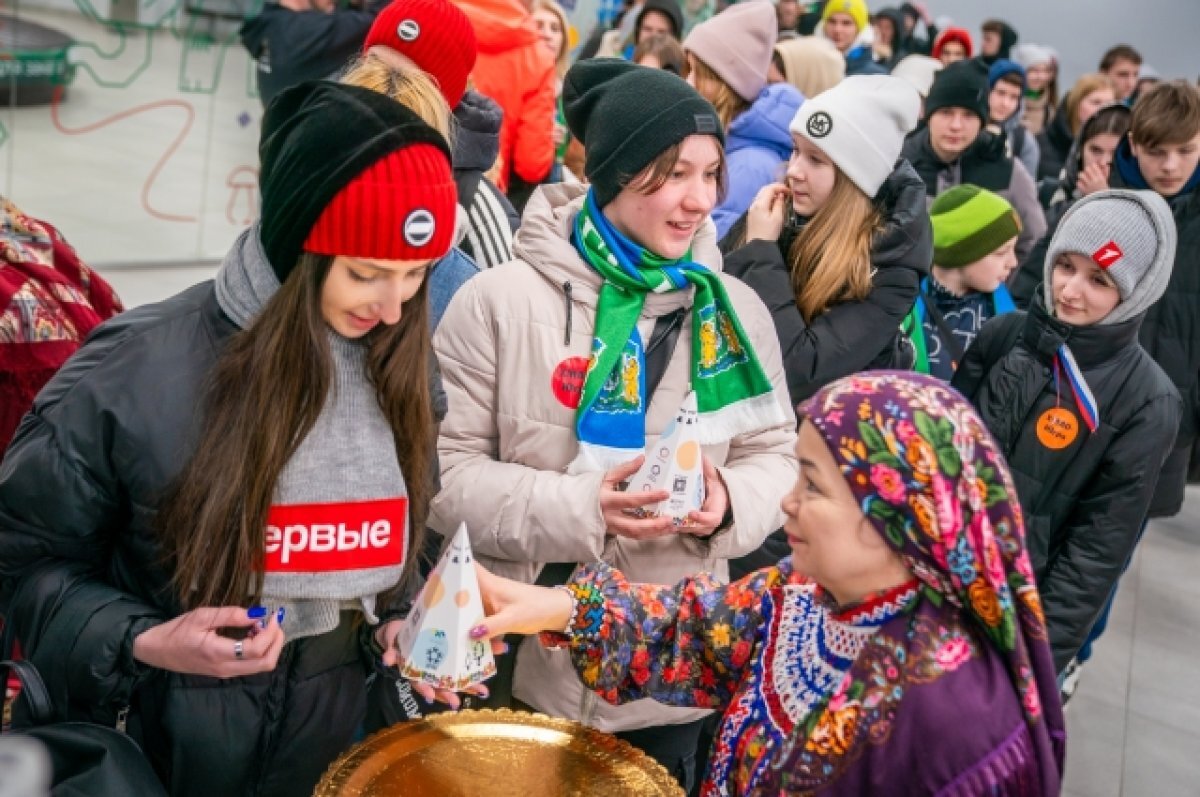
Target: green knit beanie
(969, 223)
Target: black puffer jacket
(1170, 334)
(491, 219)
(82, 569)
(851, 336)
(1083, 503)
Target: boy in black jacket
(1083, 414)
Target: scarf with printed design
(733, 393)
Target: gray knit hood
(1141, 226)
(245, 282)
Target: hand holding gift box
(674, 464)
(434, 644)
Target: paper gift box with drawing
(673, 464)
(434, 643)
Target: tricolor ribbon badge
(1089, 410)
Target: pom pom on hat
(736, 44)
(969, 223)
(860, 124)
(348, 171)
(627, 115)
(857, 9)
(435, 35)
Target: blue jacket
(860, 61)
(758, 143)
(444, 281)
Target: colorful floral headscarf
(931, 479)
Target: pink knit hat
(737, 45)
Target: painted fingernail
(483, 693)
(478, 632)
(256, 612)
(279, 615)
(503, 648)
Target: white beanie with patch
(860, 124)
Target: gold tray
(495, 753)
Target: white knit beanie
(737, 45)
(860, 124)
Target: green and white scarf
(733, 393)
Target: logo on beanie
(408, 30)
(419, 227)
(819, 125)
(1108, 255)
(706, 123)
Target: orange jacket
(515, 69)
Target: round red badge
(567, 381)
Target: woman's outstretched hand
(515, 608)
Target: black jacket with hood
(1084, 503)
(491, 219)
(850, 336)
(82, 568)
(290, 47)
(987, 164)
(1171, 331)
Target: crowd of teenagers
(940, 320)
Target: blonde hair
(831, 257)
(408, 86)
(728, 103)
(1086, 85)
(562, 59)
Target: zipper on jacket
(122, 719)
(567, 287)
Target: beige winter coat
(507, 440)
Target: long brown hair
(263, 397)
(831, 257)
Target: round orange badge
(1057, 428)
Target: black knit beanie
(670, 8)
(627, 115)
(963, 84)
(316, 138)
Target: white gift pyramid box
(434, 644)
(674, 464)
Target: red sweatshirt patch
(318, 538)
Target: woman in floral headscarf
(911, 657)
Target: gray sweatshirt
(337, 533)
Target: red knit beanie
(402, 207)
(435, 35)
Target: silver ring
(239, 649)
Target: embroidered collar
(874, 610)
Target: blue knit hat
(1004, 67)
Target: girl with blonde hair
(837, 250)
